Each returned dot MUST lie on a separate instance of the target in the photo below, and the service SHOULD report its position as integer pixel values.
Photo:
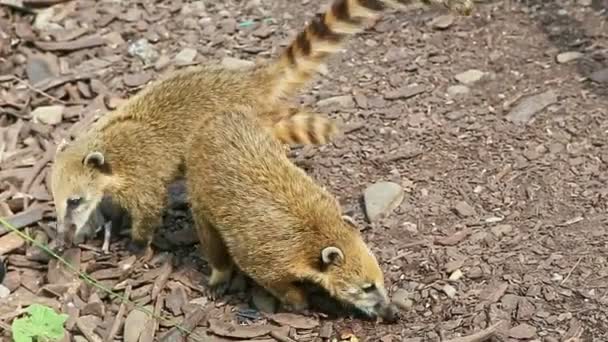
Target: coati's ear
(349, 220)
(332, 255)
(94, 159)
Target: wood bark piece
(85, 42)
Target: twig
(36, 90)
(36, 3)
(119, 317)
(279, 337)
(36, 169)
(479, 336)
(571, 270)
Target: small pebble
(456, 275)
(449, 290)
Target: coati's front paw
(297, 308)
(219, 283)
(142, 250)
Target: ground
(494, 126)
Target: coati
(253, 207)
(134, 152)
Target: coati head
(79, 177)
(351, 274)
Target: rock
(143, 50)
(401, 298)
(458, 90)
(569, 56)
(404, 92)
(49, 115)
(502, 229)
(263, 301)
(10, 242)
(41, 67)
(522, 331)
(585, 2)
(135, 323)
(456, 275)
(43, 19)
(528, 107)
(464, 209)
(4, 292)
(381, 198)
(449, 290)
(345, 101)
(185, 56)
(137, 79)
(442, 22)
(599, 76)
(470, 76)
(235, 63)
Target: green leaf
(43, 323)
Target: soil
(503, 168)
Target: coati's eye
(369, 288)
(73, 202)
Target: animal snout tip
(389, 312)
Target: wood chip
(161, 280)
(77, 44)
(237, 331)
(453, 239)
(24, 218)
(294, 320)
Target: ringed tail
(328, 32)
(304, 128)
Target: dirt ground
(494, 126)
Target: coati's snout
(357, 280)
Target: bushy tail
(328, 32)
(297, 126)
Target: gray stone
(502, 229)
(442, 22)
(39, 68)
(185, 56)
(470, 76)
(569, 56)
(464, 209)
(458, 90)
(43, 19)
(449, 290)
(135, 323)
(529, 106)
(402, 299)
(143, 50)
(381, 198)
(344, 101)
(522, 331)
(50, 115)
(600, 76)
(235, 63)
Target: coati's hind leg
(214, 249)
(293, 125)
(292, 297)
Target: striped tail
(297, 126)
(328, 32)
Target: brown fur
(137, 150)
(253, 206)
